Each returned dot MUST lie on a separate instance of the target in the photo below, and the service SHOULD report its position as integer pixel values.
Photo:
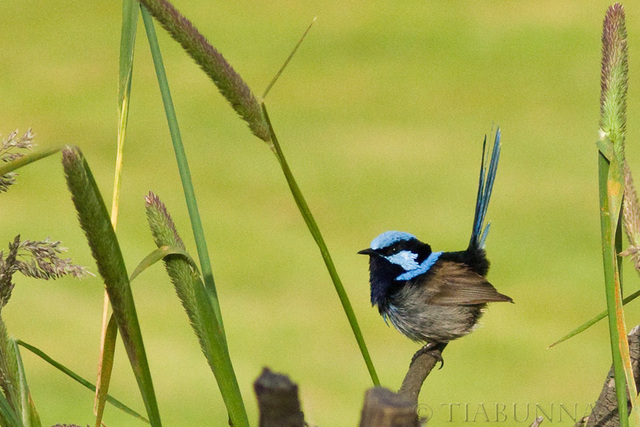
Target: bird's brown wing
(454, 284)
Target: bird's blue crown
(388, 238)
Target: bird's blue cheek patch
(419, 268)
(405, 259)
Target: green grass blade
(324, 251)
(7, 414)
(613, 105)
(623, 338)
(29, 415)
(158, 255)
(286, 62)
(107, 355)
(105, 248)
(59, 366)
(190, 290)
(612, 288)
(183, 168)
(29, 158)
(593, 321)
(127, 44)
(111, 333)
(9, 371)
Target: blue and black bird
(435, 297)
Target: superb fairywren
(435, 297)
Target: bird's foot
(434, 349)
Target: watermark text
(508, 413)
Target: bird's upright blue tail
(488, 168)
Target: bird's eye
(392, 250)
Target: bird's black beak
(367, 251)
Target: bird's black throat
(383, 283)
(383, 273)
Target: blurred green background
(381, 115)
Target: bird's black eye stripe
(390, 250)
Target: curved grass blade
(7, 414)
(29, 414)
(95, 222)
(41, 354)
(127, 44)
(158, 254)
(190, 289)
(593, 321)
(25, 160)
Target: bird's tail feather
(488, 168)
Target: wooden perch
(278, 401)
(384, 408)
(421, 366)
(279, 405)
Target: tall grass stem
(614, 78)
(95, 222)
(183, 167)
(188, 285)
(125, 72)
(324, 251)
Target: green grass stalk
(612, 287)
(29, 414)
(324, 251)
(125, 72)
(614, 79)
(29, 158)
(593, 320)
(127, 44)
(95, 222)
(189, 288)
(183, 168)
